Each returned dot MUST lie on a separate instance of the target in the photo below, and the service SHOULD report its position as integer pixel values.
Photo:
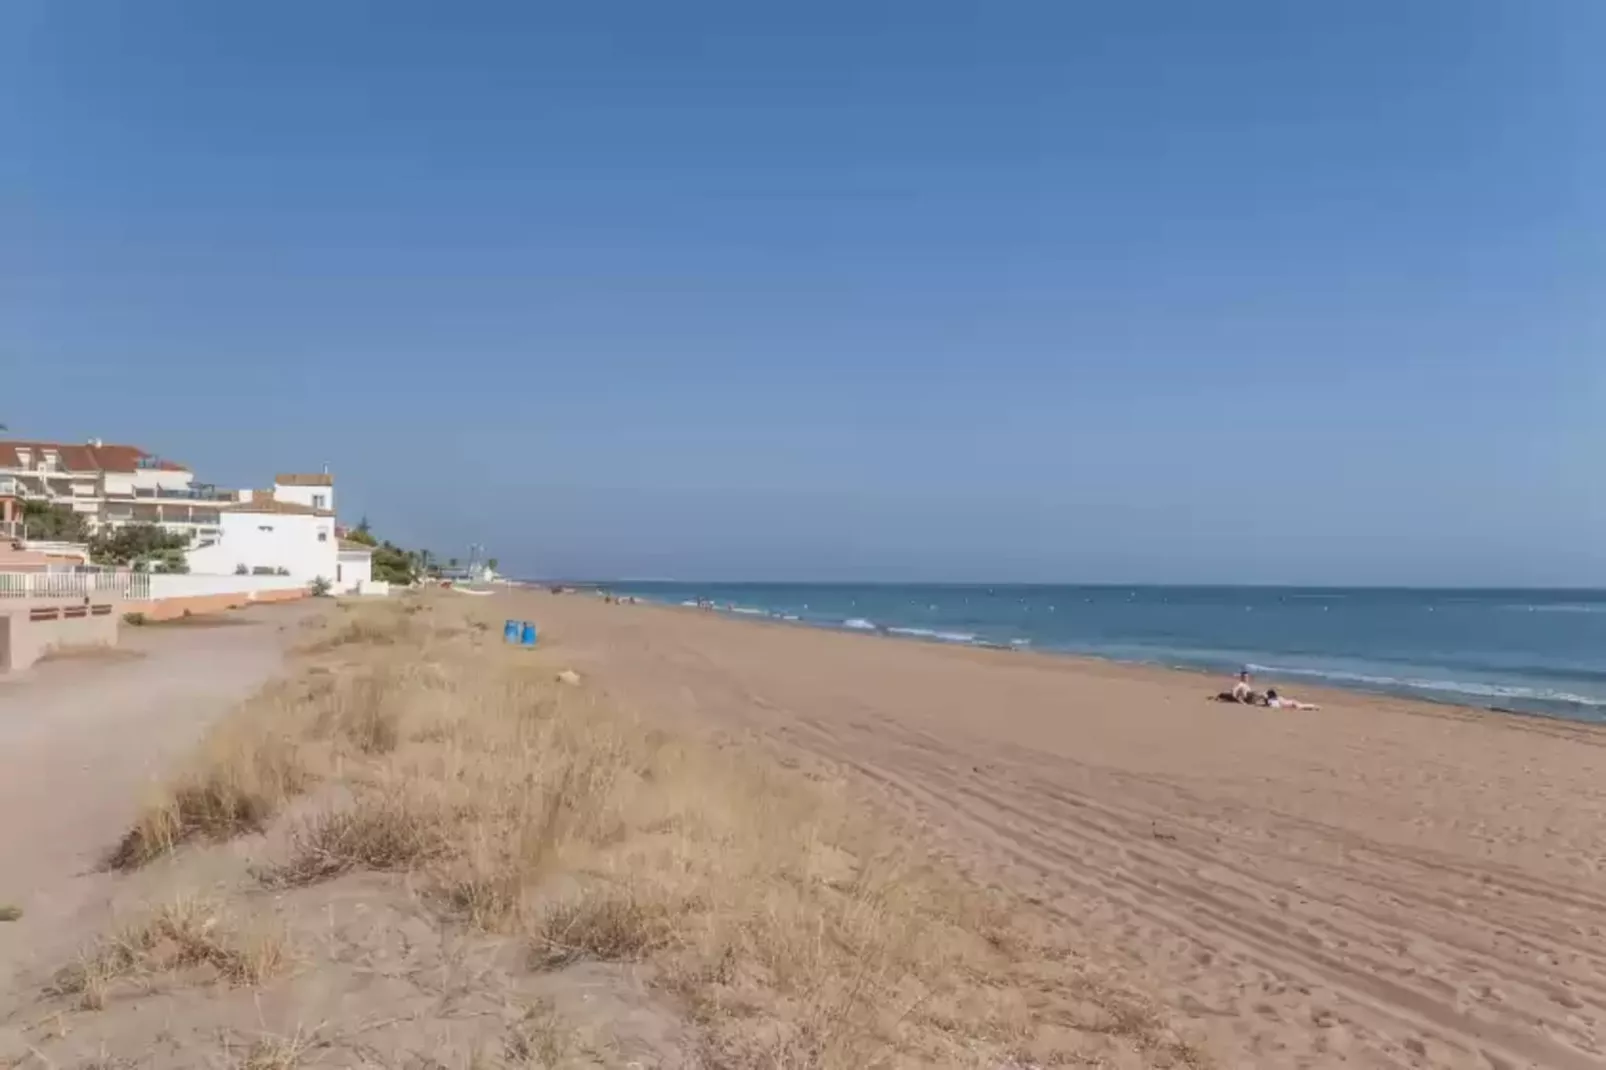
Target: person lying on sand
(1277, 702)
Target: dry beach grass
(436, 843)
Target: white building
(316, 491)
(288, 530)
(354, 569)
(265, 533)
(111, 485)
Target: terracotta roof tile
(302, 479)
(263, 501)
(85, 457)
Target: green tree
(143, 546)
(58, 523)
(491, 563)
(392, 564)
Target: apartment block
(111, 485)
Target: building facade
(111, 486)
(354, 569)
(288, 530)
(264, 532)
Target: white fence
(129, 586)
(200, 585)
(138, 586)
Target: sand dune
(1377, 884)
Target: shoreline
(1325, 693)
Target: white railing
(130, 586)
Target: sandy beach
(1379, 883)
(81, 742)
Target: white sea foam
(859, 624)
(1454, 687)
(1561, 607)
(928, 633)
(749, 611)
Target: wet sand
(1380, 883)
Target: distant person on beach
(1278, 702)
(1241, 692)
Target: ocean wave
(929, 633)
(859, 624)
(1454, 687)
(749, 611)
(1559, 607)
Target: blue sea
(1529, 651)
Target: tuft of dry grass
(797, 927)
(10, 912)
(363, 629)
(608, 925)
(242, 777)
(187, 933)
(278, 1053)
(384, 832)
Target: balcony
(192, 494)
(164, 513)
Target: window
(264, 527)
(340, 573)
(320, 501)
(323, 536)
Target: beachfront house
(289, 530)
(111, 486)
(285, 531)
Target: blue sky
(1253, 291)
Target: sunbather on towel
(1278, 702)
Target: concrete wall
(305, 545)
(32, 628)
(248, 587)
(174, 596)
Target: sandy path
(81, 738)
(1377, 884)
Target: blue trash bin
(510, 631)
(528, 637)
